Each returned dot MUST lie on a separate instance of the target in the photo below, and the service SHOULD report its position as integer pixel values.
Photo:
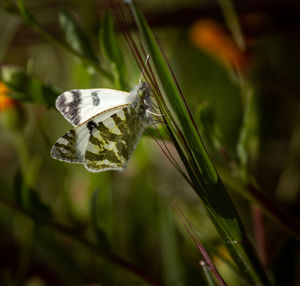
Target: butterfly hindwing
(71, 147)
(79, 105)
(113, 140)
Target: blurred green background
(239, 72)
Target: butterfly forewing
(79, 105)
(113, 140)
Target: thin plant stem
(207, 273)
(232, 21)
(199, 245)
(259, 233)
(73, 234)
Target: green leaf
(207, 125)
(204, 115)
(25, 13)
(248, 132)
(88, 57)
(75, 36)
(112, 51)
(25, 88)
(29, 200)
(205, 120)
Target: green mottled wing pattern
(71, 147)
(113, 140)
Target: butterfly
(107, 126)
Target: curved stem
(53, 40)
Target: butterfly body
(102, 140)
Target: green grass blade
(207, 183)
(75, 37)
(232, 21)
(112, 51)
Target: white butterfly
(108, 124)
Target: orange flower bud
(5, 101)
(210, 37)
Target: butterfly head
(141, 100)
(144, 93)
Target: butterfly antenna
(155, 114)
(143, 70)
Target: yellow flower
(5, 101)
(210, 37)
